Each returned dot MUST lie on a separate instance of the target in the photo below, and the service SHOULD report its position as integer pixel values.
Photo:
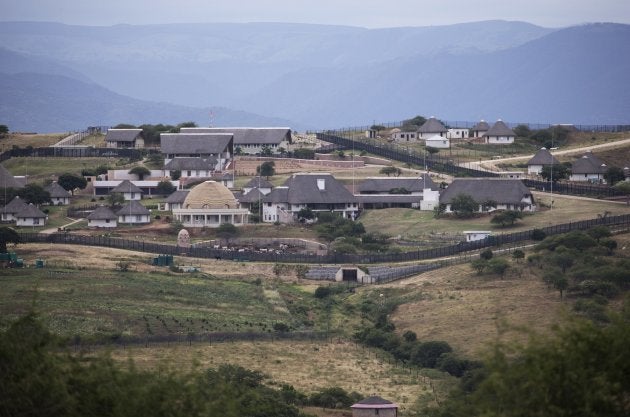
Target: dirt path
(490, 164)
(54, 229)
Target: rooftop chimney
(321, 184)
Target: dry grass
(467, 310)
(414, 224)
(308, 366)
(76, 256)
(36, 141)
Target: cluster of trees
(36, 194)
(413, 123)
(380, 333)
(348, 236)
(488, 263)
(579, 262)
(40, 377)
(4, 130)
(581, 369)
(549, 138)
(151, 133)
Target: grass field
(308, 366)
(414, 224)
(36, 141)
(46, 168)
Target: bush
(486, 254)
(538, 234)
(322, 292)
(281, 327)
(334, 397)
(427, 354)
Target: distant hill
(55, 103)
(328, 76)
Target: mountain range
(57, 77)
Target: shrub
(538, 234)
(427, 354)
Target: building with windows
(124, 138)
(251, 140)
(317, 191)
(210, 204)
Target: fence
(72, 152)
(331, 258)
(595, 128)
(391, 151)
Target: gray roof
(589, 164)
(251, 197)
(9, 181)
(432, 125)
(57, 191)
(500, 129)
(482, 126)
(133, 208)
(195, 143)
(277, 195)
(102, 213)
(385, 184)
(122, 135)
(15, 206)
(30, 212)
(303, 189)
(177, 197)
(248, 135)
(374, 400)
(126, 186)
(258, 182)
(194, 163)
(389, 198)
(501, 190)
(543, 157)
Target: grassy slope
(414, 224)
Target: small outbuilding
(431, 128)
(30, 216)
(473, 235)
(542, 159)
(134, 213)
(438, 142)
(374, 406)
(499, 134)
(129, 190)
(102, 216)
(124, 138)
(59, 196)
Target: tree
(115, 199)
(486, 205)
(624, 187)
(70, 182)
(507, 217)
(266, 151)
(176, 174)
(522, 131)
(266, 169)
(538, 234)
(4, 130)
(560, 283)
(282, 151)
(479, 265)
(486, 254)
(341, 154)
(34, 194)
(431, 150)
(464, 205)
(8, 235)
(238, 151)
(581, 369)
(140, 172)
(518, 255)
(165, 187)
(390, 170)
(613, 175)
(560, 172)
(599, 232)
(305, 213)
(498, 266)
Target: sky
(363, 13)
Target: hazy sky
(366, 13)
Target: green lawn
(102, 303)
(46, 168)
(416, 225)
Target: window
(106, 220)
(35, 221)
(138, 218)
